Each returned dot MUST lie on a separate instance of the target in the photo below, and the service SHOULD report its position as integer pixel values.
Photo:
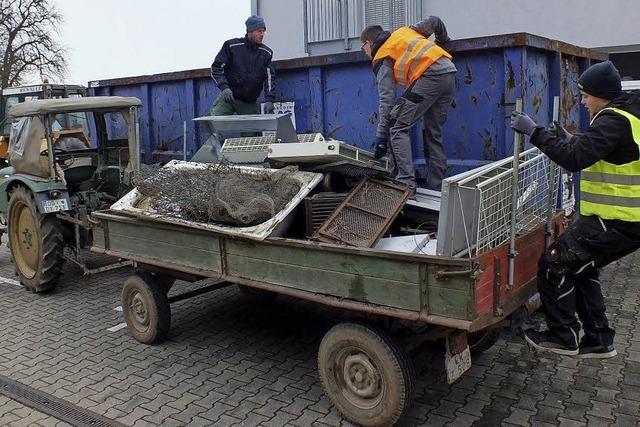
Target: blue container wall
(337, 96)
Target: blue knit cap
(254, 23)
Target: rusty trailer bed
(466, 294)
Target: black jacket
(245, 67)
(608, 138)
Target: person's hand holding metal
(227, 95)
(268, 107)
(380, 148)
(557, 131)
(522, 123)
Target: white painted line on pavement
(10, 281)
(117, 327)
(118, 308)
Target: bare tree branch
(28, 41)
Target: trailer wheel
(146, 308)
(367, 376)
(36, 242)
(482, 341)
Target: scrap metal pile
(356, 205)
(218, 193)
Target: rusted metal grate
(51, 405)
(318, 208)
(365, 215)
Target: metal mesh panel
(354, 227)
(493, 191)
(365, 215)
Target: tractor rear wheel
(36, 242)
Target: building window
(393, 14)
(343, 20)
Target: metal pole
(305, 22)
(184, 141)
(47, 132)
(551, 181)
(345, 24)
(517, 146)
(137, 127)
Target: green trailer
(363, 364)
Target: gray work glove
(557, 131)
(522, 123)
(268, 107)
(227, 96)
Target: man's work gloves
(557, 131)
(380, 149)
(268, 107)
(227, 96)
(522, 123)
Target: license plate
(56, 205)
(458, 356)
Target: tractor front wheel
(36, 242)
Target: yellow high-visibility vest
(412, 52)
(613, 191)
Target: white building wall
(585, 23)
(285, 26)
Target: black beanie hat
(601, 80)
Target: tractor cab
(10, 97)
(69, 157)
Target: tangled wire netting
(218, 193)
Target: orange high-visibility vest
(412, 53)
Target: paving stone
(229, 363)
(628, 407)
(602, 410)
(565, 422)
(548, 414)
(520, 417)
(623, 420)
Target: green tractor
(68, 158)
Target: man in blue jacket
(241, 70)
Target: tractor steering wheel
(59, 151)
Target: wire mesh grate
(364, 215)
(492, 190)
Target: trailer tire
(36, 242)
(482, 341)
(146, 308)
(366, 375)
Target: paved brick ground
(228, 362)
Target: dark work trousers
(568, 279)
(428, 98)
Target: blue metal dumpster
(336, 95)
